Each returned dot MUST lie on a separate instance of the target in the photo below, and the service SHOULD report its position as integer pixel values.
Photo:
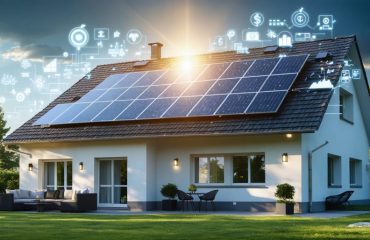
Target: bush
(192, 188)
(9, 179)
(169, 190)
(284, 193)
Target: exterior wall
(88, 153)
(345, 140)
(150, 165)
(232, 197)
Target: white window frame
(228, 170)
(55, 185)
(346, 106)
(334, 171)
(112, 186)
(249, 183)
(357, 171)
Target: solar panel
(241, 87)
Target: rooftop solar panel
(242, 87)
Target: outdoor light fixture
(289, 135)
(81, 166)
(176, 162)
(284, 157)
(30, 167)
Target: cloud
(34, 52)
(322, 84)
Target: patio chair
(185, 198)
(338, 201)
(208, 197)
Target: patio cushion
(20, 193)
(61, 194)
(39, 194)
(23, 200)
(50, 194)
(68, 194)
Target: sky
(35, 32)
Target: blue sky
(33, 33)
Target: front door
(112, 183)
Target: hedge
(9, 179)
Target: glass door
(112, 182)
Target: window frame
(331, 173)
(55, 186)
(228, 171)
(346, 105)
(358, 173)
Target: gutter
(17, 151)
(310, 174)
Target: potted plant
(169, 191)
(285, 194)
(192, 188)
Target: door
(113, 183)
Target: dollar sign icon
(257, 19)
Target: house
(307, 123)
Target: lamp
(284, 157)
(81, 166)
(176, 162)
(289, 135)
(30, 167)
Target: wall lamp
(81, 166)
(30, 167)
(284, 157)
(176, 162)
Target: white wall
(345, 140)
(273, 147)
(134, 151)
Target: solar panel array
(230, 88)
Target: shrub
(9, 179)
(169, 190)
(284, 193)
(192, 188)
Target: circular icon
(78, 37)
(257, 19)
(134, 36)
(300, 18)
(326, 20)
(65, 54)
(20, 97)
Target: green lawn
(16, 226)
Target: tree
(8, 160)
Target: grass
(17, 225)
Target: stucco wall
(345, 140)
(273, 147)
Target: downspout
(310, 174)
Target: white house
(311, 136)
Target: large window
(346, 105)
(209, 169)
(58, 175)
(230, 169)
(355, 176)
(334, 171)
(249, 169)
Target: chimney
(155, 50)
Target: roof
(302, 110)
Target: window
(346, 105)
(58, 175)
(334, 171)
(230, 169)
(209, 169)
(249, 169)
(355, 176)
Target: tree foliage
(8, 160)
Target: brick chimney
(156, 51)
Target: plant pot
(169, 205)
(285, 208)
